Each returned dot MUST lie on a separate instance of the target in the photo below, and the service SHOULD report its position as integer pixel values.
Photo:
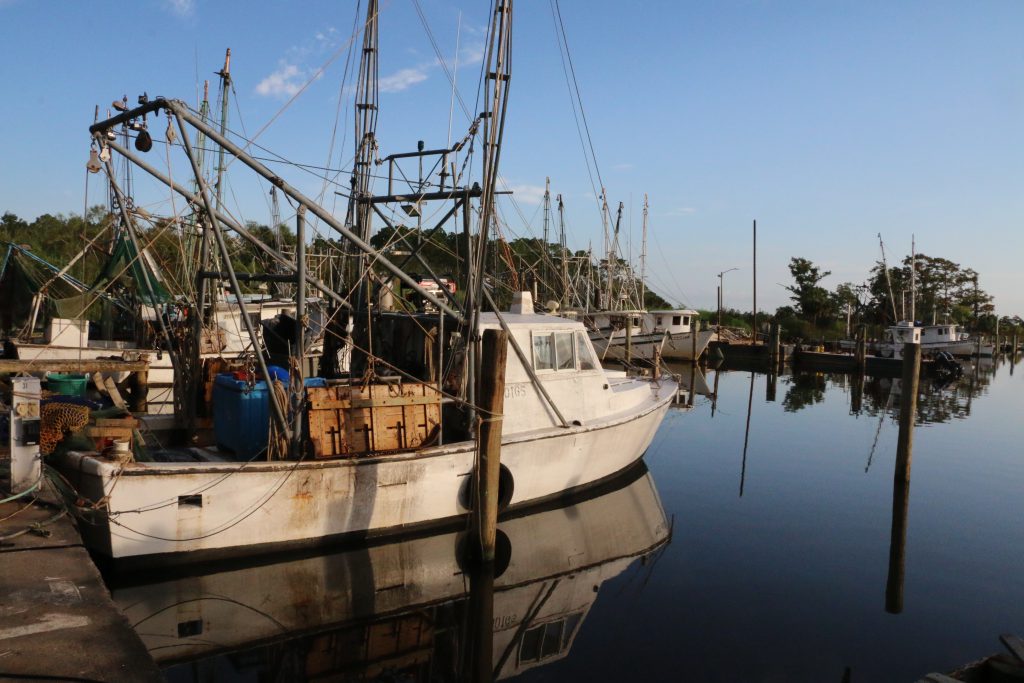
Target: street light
(720, 296)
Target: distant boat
(933, 339)
(665, 332)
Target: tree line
(929, 289)
(524, 262)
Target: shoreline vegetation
(946, 292)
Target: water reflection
(939, 400)
(406, 610)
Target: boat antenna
(225, 79)
(643, 255)
(565, 263)
(546, 254)
(455, 76)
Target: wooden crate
(358, 420)
(102, 431)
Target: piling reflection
(901, 479)
(406, 610)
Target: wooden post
(861, 348)
(901, 479)
(694, 329)
(491, 402)
(629, 338)
(139, 385)
(775, 341)
(1013, 346)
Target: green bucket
(67, 385)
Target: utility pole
(721, 294)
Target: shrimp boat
(945, 338)
(391, 445)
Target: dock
(57, 619)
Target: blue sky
(828, 122)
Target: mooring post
(491, 404)
(629, 338)
(901, 478)
(694, 330)
(1013, 347)
(776, 344)
(861, 348)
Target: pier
(57, 620)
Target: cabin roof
(673, 311)
(534, 320)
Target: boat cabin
(676, 321)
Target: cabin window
(677, 320)
(543, 352)
(659, 320)
(635, 322)
(583, 353)
(548, 640)
(563, 351)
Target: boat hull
(163, 510)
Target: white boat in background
(678, 325)
(944, 338)
(618, 334)
(668, 333)
(395, 598)
(182, 511)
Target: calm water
(744, 554)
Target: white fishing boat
(395, 597)
(945, 338)
(392, 445)
(212, 506)
(617, 335)
(679, 327)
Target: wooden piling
(491, 400)
(901, 479)
(775, 344)
(694, 330)
(861, 348)
(629, 338)
(139, 397)
(1013, 347)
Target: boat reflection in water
(402, 610)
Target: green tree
(812, 300)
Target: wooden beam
(85, 366)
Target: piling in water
(901, 479)
(491, 402)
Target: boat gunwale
(100, 466)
